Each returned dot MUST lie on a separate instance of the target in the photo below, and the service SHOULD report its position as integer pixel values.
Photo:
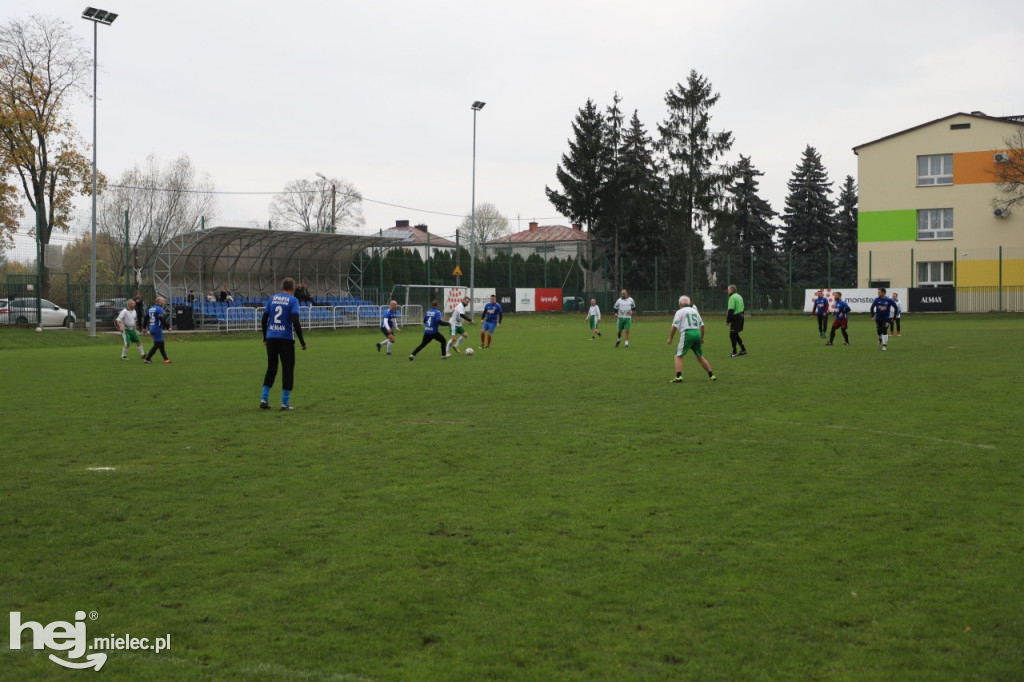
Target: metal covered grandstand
(252, 262)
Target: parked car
(23, 311)
(107, 311)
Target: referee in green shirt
(734, 318)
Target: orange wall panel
(970, 168)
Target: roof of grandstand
(252, 262)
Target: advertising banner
(933, 299)
(525, 300)
(548, 300)
(506, 299)
(452, 296)
(859, 300)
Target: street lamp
(333, 192)
(97, 17)
(476, 106)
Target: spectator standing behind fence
(734, 318)
(280, 325)
(894, 317)
(819, 307)
(624, 306)
(222, 296)
(157, 323)
(140, 311)
(302, 294)
(842, 312)
(431, 326)
(389, 326)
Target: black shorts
(737, 323)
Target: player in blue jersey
(280, 325)
(492, 320)
(819, 308)
(842, 312)
(881, 308)
(157, 323)
(389, 326)
(431, 325)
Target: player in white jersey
(126, 322)
(624, 306)
(459, 332)
(691, 337)
(594, 318)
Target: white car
(23, 311)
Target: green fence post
(751, 277)
(656, 283)
(428, 254)
(789, 288)
(828, 276)
(911, 266)
(1000, 278)
(956, 294)
(127, 267)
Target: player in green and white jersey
(126, 322)
(459, 332)
(594, 318)
(691, 337)
(624, 306)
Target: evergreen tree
(745, 228)
(810, 223)
(642, 230)
(844, 261)
(695, 180)
(581, 172)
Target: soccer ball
(469, 351)
(39, 329)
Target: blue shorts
(489, 327)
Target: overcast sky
(258, 94)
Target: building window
(935, 170)
(935, 274)
(935, 223)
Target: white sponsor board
(859, 300)
(452, 296)
(526, 301)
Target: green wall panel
(886, 226)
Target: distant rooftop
(544, 234)
(416, 235)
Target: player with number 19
(691, 337)
(280, 325)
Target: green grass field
(550, 509)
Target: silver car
(23, 311)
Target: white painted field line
(902, 434)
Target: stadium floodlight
(476, 106)
(97, 17)
(334, 190)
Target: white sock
(458, 341)
(885, 339)
(389, 346)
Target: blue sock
(266, 394)
(286, 397)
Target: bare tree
(42, 67)
(1010, 174)
(161, 201)
(490, 224)
(306, 205)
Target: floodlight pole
(333, 192)
(476, 106)
(97, 17)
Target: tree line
(645, 197)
